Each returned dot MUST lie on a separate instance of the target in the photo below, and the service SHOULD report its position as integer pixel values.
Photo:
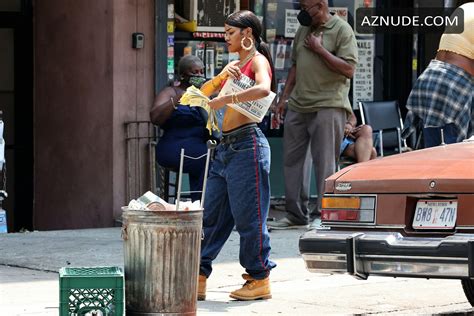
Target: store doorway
(16, 105)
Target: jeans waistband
(238, 133)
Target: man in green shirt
(324, 58)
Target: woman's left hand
(231, 70)
(217, 102)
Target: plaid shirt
(441, 95)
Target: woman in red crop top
(254, 61)
(238, 187)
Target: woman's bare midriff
(233, 119)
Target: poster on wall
(363, 81)
(170, 11)
(206, 15)
(271, 35)
(258, 9)
(200, 54)
(219, 57)
(291, 22)
(211, 14)
(280, 56)
(280, 87)
(170, 57)
(209, 63)
(271, 17)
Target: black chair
(386, 122)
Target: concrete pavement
(29, 280)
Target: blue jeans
(238, 193)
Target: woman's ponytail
(264, 49)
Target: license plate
(439, 214)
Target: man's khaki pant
(322, 132)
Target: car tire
(468, 287)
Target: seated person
(183, 126)
(357, 143)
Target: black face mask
(304, 18)
(196, 81)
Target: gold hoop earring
(242, 43)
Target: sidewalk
(29, 281)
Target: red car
(407, 215)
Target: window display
(207, 15)
(213, 54)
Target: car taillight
(351, 202)
(348, 209)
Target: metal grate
(141, 171)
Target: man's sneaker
(315, 224)
(202, 287)
(284, 223)
(253, 289)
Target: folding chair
(385, 119)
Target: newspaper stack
(151, 202)
(194, 97)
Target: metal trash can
(162, 254)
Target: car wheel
(468, 287)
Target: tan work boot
(253, 289)
(202, 287)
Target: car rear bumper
(388, 253)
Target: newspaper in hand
(255, 109)
(194, 97)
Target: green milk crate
(82, 290)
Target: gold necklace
(246, 59)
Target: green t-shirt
(316, 85)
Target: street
(29, 282)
